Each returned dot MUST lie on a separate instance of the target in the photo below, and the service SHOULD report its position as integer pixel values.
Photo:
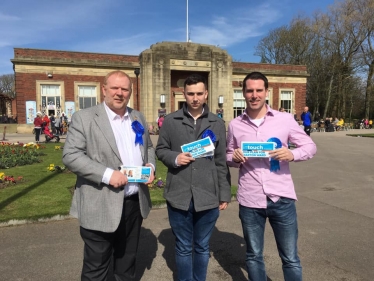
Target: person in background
(266, 190)
(160, 121)
(46, 122)
(281, 109)
(38, 124)
(366, 123)
(58, 126)
(306, 117)
(110, 210)
(295, 116)
(53, 123)
(339, 125)
(197, 188)
(370, 124)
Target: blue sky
(131, 26)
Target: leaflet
(257, 149)
(199, 148)
(136, 173)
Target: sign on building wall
(30, 112)
(69, 109)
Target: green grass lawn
(44, 194)
(361, 135)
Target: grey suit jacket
(89, 149)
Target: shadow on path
(146, 252)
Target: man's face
(255, 95)
(117, 93)
(195, 96)
(306, 109)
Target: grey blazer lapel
(103, 123)
(134, 116)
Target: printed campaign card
(199, 148)
(136, 173)
(257, 149)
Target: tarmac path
(336, 226)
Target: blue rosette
(139, 131)
(274, 164)
(210, 134)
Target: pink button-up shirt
(256, 181)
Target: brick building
(62, 81)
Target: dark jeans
(192, 231)
(307, 129)
(37, 134)
(121, 246)
(283, 219)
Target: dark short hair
(255, 76)
(194, 79)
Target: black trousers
(101, 249)
(37, 134)
(307, 129)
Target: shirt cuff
(107, 175)
(176, 162)
(153, 166)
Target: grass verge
(361, 135)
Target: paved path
(336, 226)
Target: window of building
(86, 96)
(286, 101)
(239, 102)
(269, 98)
(50, 98)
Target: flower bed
(19, 154)
(157, 183)
(6, 181)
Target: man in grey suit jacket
(196, 189)
(109, 208)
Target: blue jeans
(192, 231)
(283, 219)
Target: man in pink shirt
(265, 191)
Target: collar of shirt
(269, 111)
(112, 115)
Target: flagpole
(187, 23)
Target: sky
(131, 26)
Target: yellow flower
(57, 147)
(2, 175)
(51, 167)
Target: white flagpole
(187, 23)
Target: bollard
(4, 133)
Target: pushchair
(49, 136)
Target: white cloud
(235, 26)
(130, 45)
(5, 18)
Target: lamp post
(137, 72)
(220, 109)
(220, 101)
(162, 100)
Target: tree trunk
(369, 84)
(328, 97)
